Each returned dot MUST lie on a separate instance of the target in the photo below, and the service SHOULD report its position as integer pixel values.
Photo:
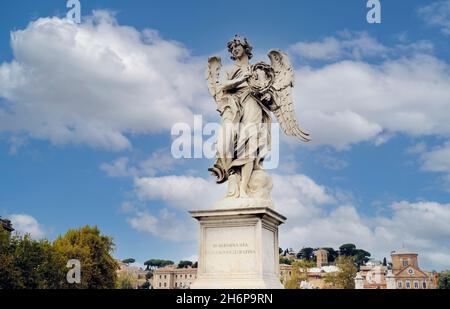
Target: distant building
(321, 257)
(372, 275)
(316, 275)
(405, 274)
(285, 272)
(136, 274)
(170, 277)
(6, 225)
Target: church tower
(322, 257)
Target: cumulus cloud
(98, 82)
(437, 14)
(355, 46)
(330, 162)
(26, 224)
(347, 45)
(423, 227)
(94, 83)
(348, 102)
(180, 192)
(438, 159)
(299, 196)
(317, 216)
(118, 168)
(158, 162)
(165, 225)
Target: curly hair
(238, 40)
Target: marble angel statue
(246, 96)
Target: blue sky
(85, 135)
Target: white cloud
(128, 207)
(328, 48)
(96, 82)
(16, 142)
(294, 196)
(317, 216)
(423, 227)
(26, 224)
(437, 14)
(180, 192)
(118, 168)
(299, 196)
(339, 129)
(165, 225)
(347, 45)
(418, 148)
(331, 162)
(437, 160)
(158, 162)
(349, 102)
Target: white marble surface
(238, 248)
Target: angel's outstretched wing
(283, 84)
(212, 74)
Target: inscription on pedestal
(238, 249)
(230, 250)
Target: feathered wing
(212, 74)
(283, 84)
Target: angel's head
(238, 46)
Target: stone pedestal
(238, 249)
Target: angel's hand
(266, 97)
(246, 76)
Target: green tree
(129, 261)
(444, 280)
(299, 273)
(306, 254)
(345, 277)
(361, 256)
(93, 250)
(29, 264)
(347, 250)
(184, 264)
(284, 260)
(195, 265)
(157, 263)
(9, 275)
(332, 254)
(125, 281)
(384, 262)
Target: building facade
(316, 275)
(171, 277)
(321, 257)
(372, 275)
(137, 275)
(404, 274)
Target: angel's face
(237, 51)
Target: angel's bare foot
(242, 193)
